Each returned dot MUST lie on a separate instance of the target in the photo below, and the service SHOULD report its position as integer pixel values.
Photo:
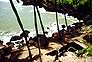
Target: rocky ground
(49, 54)
(56, 49)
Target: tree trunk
(37, 31)
(19, 21)
(57, 20)
(64, 14)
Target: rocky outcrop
(14, 38)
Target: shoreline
(53, 45)
(77, 12)
(53, 48)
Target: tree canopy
(75, 3)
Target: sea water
(9, 26)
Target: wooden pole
(40, 21)
(21, 26)
(57, 20)
(64, 14)
(41, 25)
(78, 11)
(35, 20)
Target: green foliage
(81, 52)
(72, 2)
(86, 29)
(91, 27)
(87, 50)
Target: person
(19, 46)
(23, 44)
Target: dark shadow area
(52, 53)
(69, 47)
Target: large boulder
(25, 34)
(5, 51)
(10, 44)
(88, 20)
(42, 40)
(1, 44)
(88, 38)
(14, 38)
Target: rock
(5, 51)
(48, 28)
(26, 33)
(88, 38)
(10, 44)
(14, 38)
(55, 34)
(32, 42)
(70, 54)
(42, 40)
(88, 17)
(1, 44)
(87, 20)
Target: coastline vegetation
(74, 3)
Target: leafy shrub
(72, 2)
(87, 50)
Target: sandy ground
(68, 56)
